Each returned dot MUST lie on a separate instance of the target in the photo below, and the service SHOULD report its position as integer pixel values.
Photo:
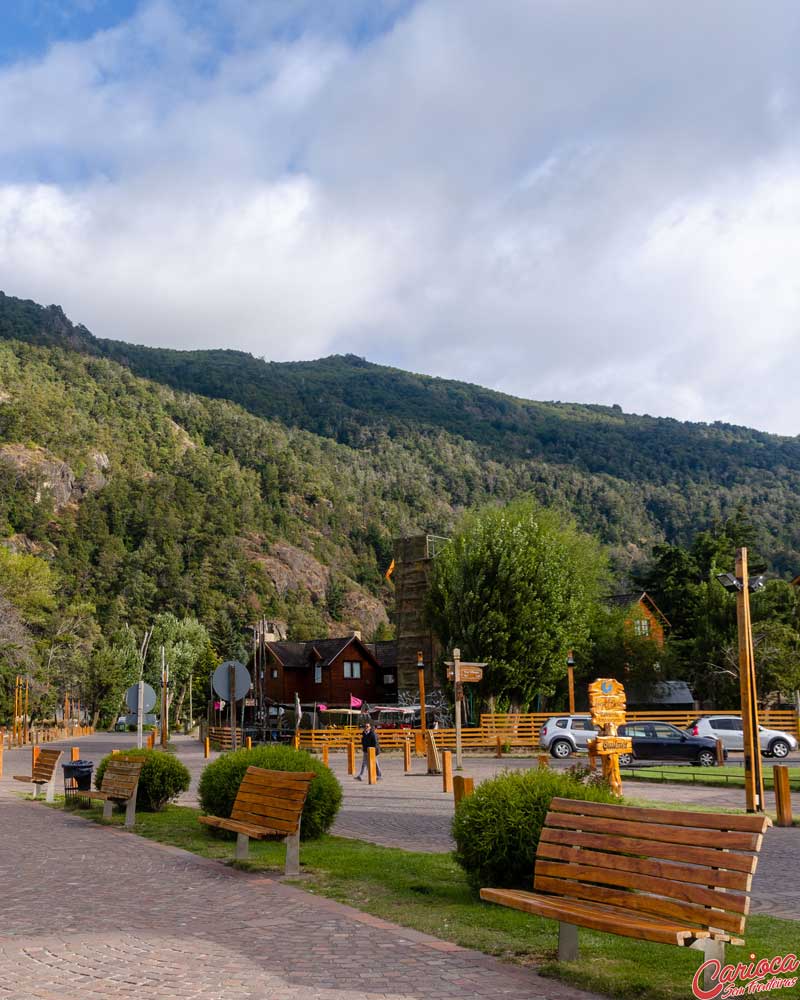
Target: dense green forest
(137, 482)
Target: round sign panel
(132, 698)
(222, 680)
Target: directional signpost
(462, 673)
(140, 699)
(607, 708)
(231, 681)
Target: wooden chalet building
(329, 671)
(644, 617)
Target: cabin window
(274, 673)
(352, 670)
(641, 626)
(317, 675)
(388, 678)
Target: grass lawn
(428, 892)
(727, 775)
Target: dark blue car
(662, 741)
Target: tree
(516, 587)
(187, 645)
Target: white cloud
(593, 201)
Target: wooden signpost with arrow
(461, 674)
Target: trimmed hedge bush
(497, 829)
(220, 782)
(163, 778)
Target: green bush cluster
(163, 777)
(220, 782)
(497, 829)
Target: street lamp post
(741, 584)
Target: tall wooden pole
(459, 700)
(421, 677)
(164, 701)
(753, 775)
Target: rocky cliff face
(49, 474)
(291, 568)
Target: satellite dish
(222, 680)
(132, 698)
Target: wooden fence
(514, 729)
(43, 734)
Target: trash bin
(77, 776)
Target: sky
(583, 200)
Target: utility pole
(571, 681)
(421, 678)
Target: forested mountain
(435, 446)
(138, 484)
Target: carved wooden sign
(612, 744)
(606, 702)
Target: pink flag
(322, 708)
(355, 702)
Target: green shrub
(220, 782)
(497, 829)
(163, 778)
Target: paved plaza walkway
(90, 911)
(93, 911)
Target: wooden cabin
(327, 671)
(644, 618)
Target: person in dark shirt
(369, 738)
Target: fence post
(249, 743)
(372, 774)
(34, 756)
(447, 771)
(783, 797)
(75, 753)
(499, 748)
(407, 756)
(351, 757)
(419, 742)
(325, 754)
(206, 747)
(462, 787)
(544, 761)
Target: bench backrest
(121, 777)
(272, 799)
(655, 861)
(45, 765)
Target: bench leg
(567, 942)
(35, 791)
(108, 805)
(130, 812)
(242, 846)
(293, 853)
(711, 950)
(50, 790)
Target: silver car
(563, 735)
(728, 728)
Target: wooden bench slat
(644, 930)
(646, 866)
(519, 898)
(295, 796)
(267, 822)
(257, 832)
(277, 779)
(718, 858)
(668, 817)
(692, 913)
(625, 828)
(661, 886)
(268, 804)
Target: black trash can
(77, 776)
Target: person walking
(369, 738)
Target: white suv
(563, 735)
(728, 728)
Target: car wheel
(779, 748)
(561, 749)
(625, 759)
(706, 758)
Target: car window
(562, 723)
(635, 729)
(737, 725)
(726, 724)
(664, 731)
(584, 725)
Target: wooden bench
(120, 784)
(268, 803)
(660, 875)
(43, 772)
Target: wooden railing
(43, 734)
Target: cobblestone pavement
(93, 911)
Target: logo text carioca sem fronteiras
(763, 976)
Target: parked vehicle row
(566, 734)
